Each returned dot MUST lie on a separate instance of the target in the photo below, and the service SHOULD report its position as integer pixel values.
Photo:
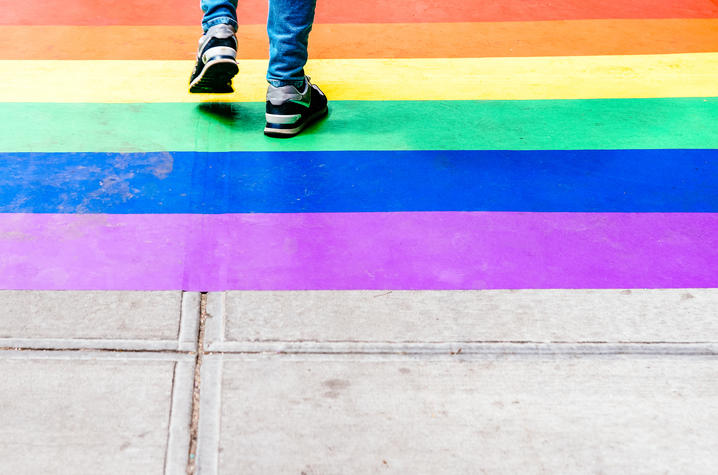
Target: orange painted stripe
(187, 12)
(412, 40)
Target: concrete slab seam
(189, 322)
(80, 354)
(210, 422)
(193, 433)
(91, 344)
(178, 437)
(444, 358)
(466, 349)
(215, 325)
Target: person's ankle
(220, 24)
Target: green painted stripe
(366, 125)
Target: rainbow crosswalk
(471, 145)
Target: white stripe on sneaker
(283, 119)
(219, 51)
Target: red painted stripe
(187, 12)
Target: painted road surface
(498, 254)
(470, 146)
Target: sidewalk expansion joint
(194, 425)
(463, 349)
(94, 350)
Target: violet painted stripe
(407, 250)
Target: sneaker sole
(286, 133)
(216, 77)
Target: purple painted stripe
(408, 250)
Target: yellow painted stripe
(582, 77)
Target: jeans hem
(225, 20)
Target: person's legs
(288, 25)
(217, 53)
(292, 101)
(219, 12)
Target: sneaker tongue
(220, 31)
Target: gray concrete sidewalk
(359, 382)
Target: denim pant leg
(288, 26)
(217, 12)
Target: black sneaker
(216, 61)
(289, 111)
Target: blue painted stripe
(280, 182)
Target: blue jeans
(288, 26)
